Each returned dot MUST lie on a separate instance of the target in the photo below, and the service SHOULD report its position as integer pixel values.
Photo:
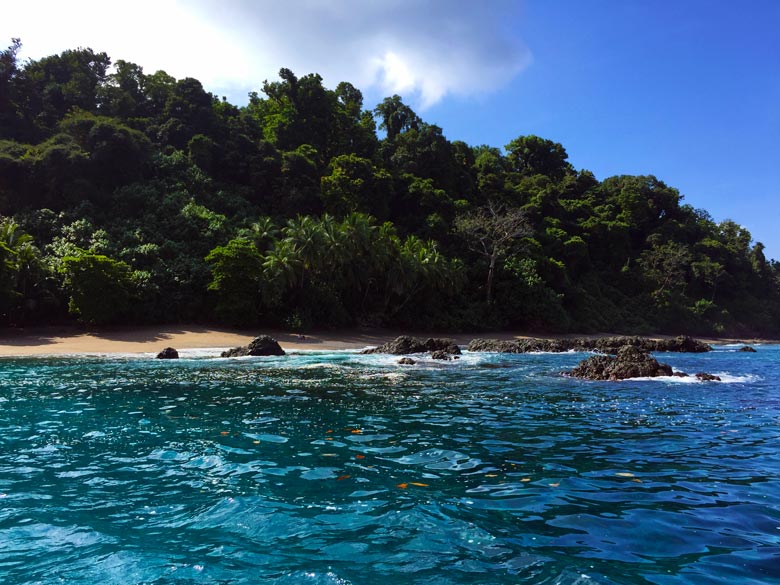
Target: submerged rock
(705, 377)
(747, 349)
(263, 345)
(440, 354)
(168, 353)
(630, 362)
(407, 361)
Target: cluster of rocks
(747, 349)
(631, 357)
(440, 348)
(629, 362)
(682, 343)
(263, 345)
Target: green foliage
(531, 155)
(292, 211)
(237, 273)
(100, 288)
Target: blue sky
(687, 90)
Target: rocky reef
(682, 343)
(629, 362)
(405, 344)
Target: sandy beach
(72, 340)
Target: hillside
(135, 198)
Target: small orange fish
(343, 477)
(526, 479)
(356, 431)
(360, 456)
(403, 486)
(223, 433)
(418, 484)
(636, 480)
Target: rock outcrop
(405, 344)
(263, 345)
(747, 349)
(630, 362)
(445, 344)
(682, 343)
(406, 361)
(168, 353)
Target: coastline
(68, 340)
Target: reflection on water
(341, 468)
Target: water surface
(337, 468)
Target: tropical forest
(131, 198)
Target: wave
(725, 378)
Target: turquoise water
(337, 468)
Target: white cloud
(422, 50)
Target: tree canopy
(133, 197)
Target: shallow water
(337, 468)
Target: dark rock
(494, 345)
(168, 353)
(683, 344)
(602, 344)
(444, 344)
(630, 362)
(405, 344)
(705, 377)
(747, 349)
(680, 374)
(263, 345)
(440, 354)
(407, 361)
(402, 345)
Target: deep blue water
(337, 468)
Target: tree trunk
(489, 285)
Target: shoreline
(69, 340)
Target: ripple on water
(342, 468)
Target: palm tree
(20, 263)
(282, 266)
(305, 235)
(262, 232)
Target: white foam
(725, 378)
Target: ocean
(340, 468)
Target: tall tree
(489, 231)
(531, 155)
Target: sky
(688, 91)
